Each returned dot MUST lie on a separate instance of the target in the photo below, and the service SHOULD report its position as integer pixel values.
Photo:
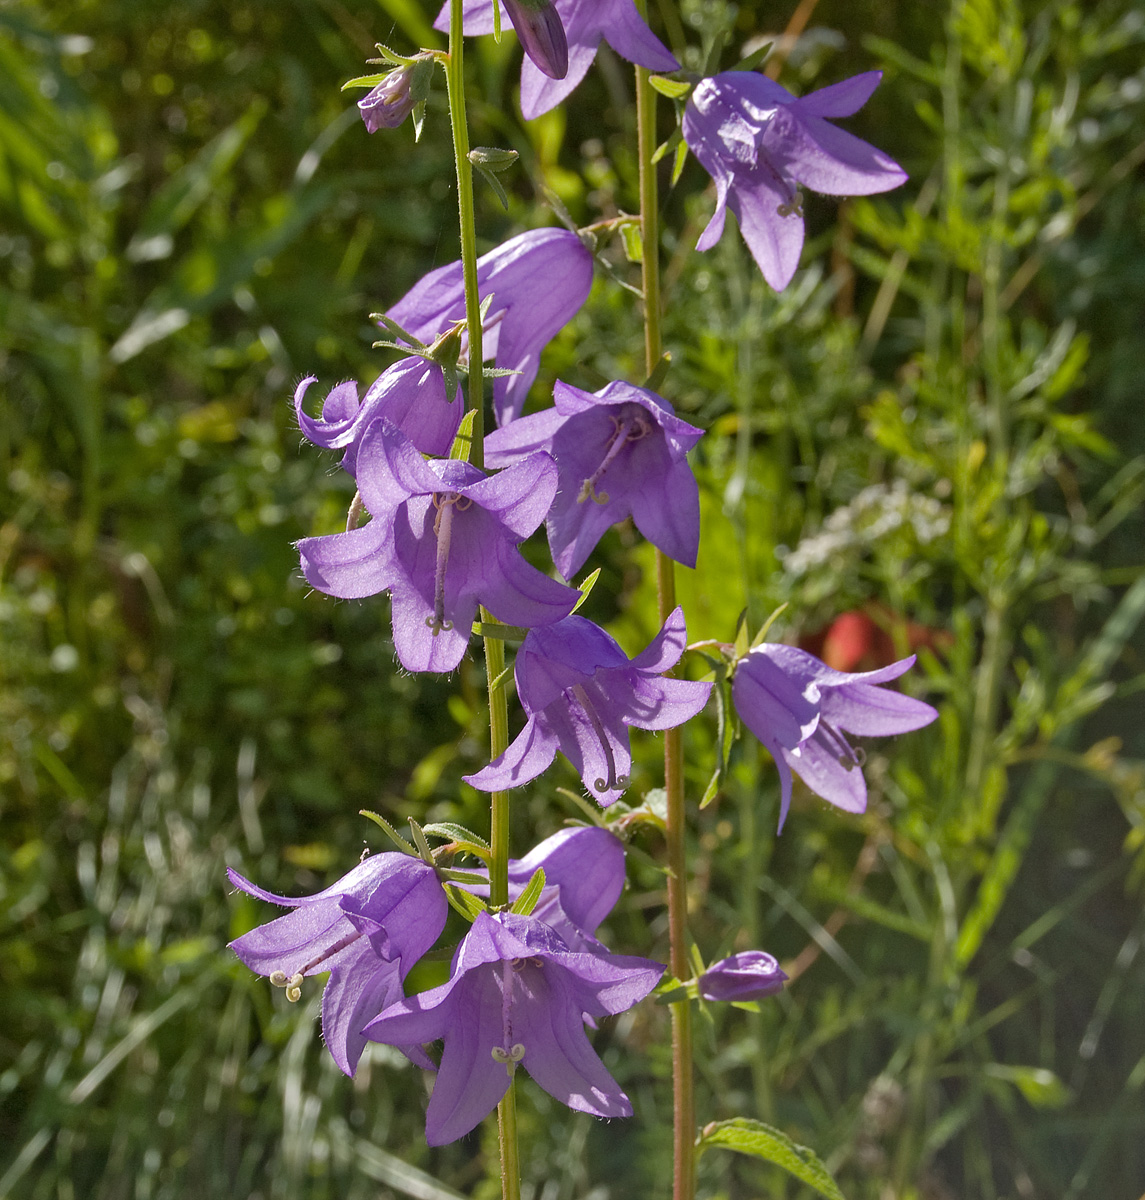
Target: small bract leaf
(774, 1146)
(527, 900)
(754, 58)
(633, 242)
(468, 905)
(674, 89)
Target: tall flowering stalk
(442, 539)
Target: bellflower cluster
(581, 693)
(442, 540)
(621, 452)
(586, 23)
(800, 709)
(758, 143)
(537, 280)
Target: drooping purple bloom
(367, 930)
(584, 876)
(517, 995)
(410, 395)
(749, 975)
(538, 280)
(800, 709)
(542, 35)
(586, 22)
(621, 452)
(581, 692)
(757, 141)
(443, 539)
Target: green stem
(494, 647)
(684, 1107)
(455, 83)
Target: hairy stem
(494, 648)
(684, 1107)
(455, 82)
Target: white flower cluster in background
(876, 512)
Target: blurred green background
(937, 424)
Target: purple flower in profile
(757, 141)
(800, 709)
(537, 280)
(410, 395)
(584, 876)
(367, 930)
(585, 22)
(581, 693)
(517, 995)
(749, 975)
(443, 539)
(620, 453)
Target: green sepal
(504, 633)
(417, 116)
(464, 438)
(754, 58)
(772, 1145)
(389, 831)
(468, 905)
(740, 642)
(396, 331)
(585, 588)
(449, 875)
(727, 730)
(675, 139)
(491, 179)
(655, 381)
(527, 900)
(462, 838)
(422, 845)
(366, 81)
(674, 89)
(633, 237)
(766, 628)
(678, 164)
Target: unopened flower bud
(750, 975)
(388, 105)
(542, 35)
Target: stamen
(443, 531)
(614, 781)
(293, 985)
(355, 513)
(849, 756)
(628, 429)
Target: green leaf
(774, 1146)
(527, 900)
(466, 839)
(674, 89)
(1042, 1088)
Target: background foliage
(938, 422)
